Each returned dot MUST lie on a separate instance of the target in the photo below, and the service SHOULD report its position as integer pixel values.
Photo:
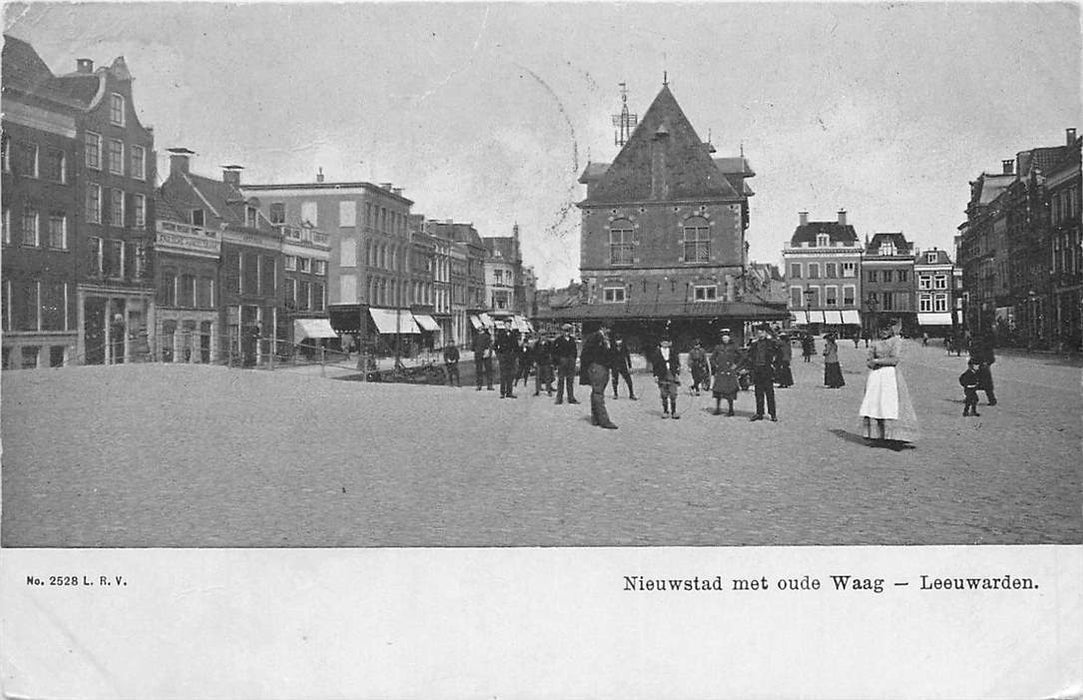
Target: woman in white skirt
(887, 415)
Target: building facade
(306, 254)
(1065, 187)
(934, 275)
(823, 274)
(887, 271)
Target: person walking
(483, 358)
(451, 364)
(507, 350)
(783, 374)
(725, 361)
(887, 416)
(970, 381)
(666, 367)
(564, 354)
(594, 371)
(622, 366)
(982, 349)
(763, 356)
(699, 367)
(808, 347)
(543, 362)
(832, 370)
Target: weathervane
(624, 122)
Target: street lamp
(808, 305)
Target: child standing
(666, 366)
(970, 380)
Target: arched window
(621, 242)
(697, 240)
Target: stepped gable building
(823, 263)
(663, 234)
(934, 275)
(887, 270)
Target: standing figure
(783, 374)
(507, 351)
(808, 347)
(451, 364)
(832, 370)
(699, 367)
(924, 339)
(970, 381)
(982, 349)
(594, 371)
(666, 367)
(622, 366)
(483, 358)
(564, 354)
(887, 416)
(525, 359)
(543, 361)
(725, 361)
(857, 338)
(763, 356)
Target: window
(940, 282)
(822, 240)
(831, 296)
(186, 291)
(116, 207)
(812, 297)
(27, 316)
(318, 296)
(291, 262)
(848, 294)
(97, 256)
(304, 298)
(887, 249)
(795, 271)
(925, 303)
(167, 289)
(58, 231)
(319, 267)
(931, 257)
(873, 300)
(116, 157)
(268, 274)
(887, 275)
(814, 271)
(849, 269)
(56, 165)
(291, 292)
(872, 275)
(116, 109)
(250, 217)
(195, 217)
(368, 214)
(705, 292)
(830, 270)
(886, 304)
(621, 243)
(347, 213)
(205, 292)
(27, 164)
(697, 240)
(498, 276)
(137, 260)
(347, 252)
(278, 212)
(613, 295)
(309, 212)
(93, 151)
(940, 302)
(925, 282)
(5, 153)
(797, 300)
(139, 211)
(902, 275)
(7, 226)
(138, 163)
(249, 273)
(30, 227)
(113, 258)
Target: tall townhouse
(983, 253)
(457, 265)
(40, 209)
(823, 262)
(1065, 187)
(250, 301)
(934, 276)
(887, 269)
(441, 283)
(306, 256)
(467, 247)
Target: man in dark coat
(451, 364)
(564, 354)
(666, 367)
(982, 350)
(506, 347)
(483, 358)
(763, 356)
(594, 370)
(543, 361)
(622, 365)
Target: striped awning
(850, 317)
(476, 322)
(427, 323)
(312, 328)
(934, 319)
(392, 321)
(833, 317)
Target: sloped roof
(504, 245)
(593, 171)
(1041, 158)
(688, 172)
(902, 246)
(166, 209)
(735, 165)
(736, 310)
(223, 196)
(79, 86)
(992, 186)
(22, 66)
(837, 232)
(941, 257)
(460, 233)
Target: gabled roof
(737, 165)
(992, 185)
(78, 86)
(593, 171)
(902, 246)
(22, 66)
(688, 171)
(460, 233)
(165, 209)
(806, 233)
(504, 247)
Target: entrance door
(205, 342)
(94, 331)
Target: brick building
(468, 256)
(1065, 187)
(887, 282)
(934, 276)
(823, 263)
(306, 253)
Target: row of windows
(113, 156)
(888, 301)
(37, 230)
(801, 297)
(1068, 253)
(697, 241)
(24, 158)
(700, 292)
(932, 281)
(117, 259)
(888, 276)
(380, 218)
(831, 270)
(36, 305)
(250, 273)
(932, 302)
(304, 295)
(186, 290)
(1065, 205)
(297, 263)
(123, 208)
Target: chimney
(319, 174)
(659, 146)
(1071, 136)
(449, 222)
(397, 190)
(231, 175)
(386, 186)
(515, 231)
(84, 65)
(1008, 166)
(842, 217)
(802, 218)
(178, 160)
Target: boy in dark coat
(594, 371)
(564, 352)
(971, 381)
(666, 366)
(763, 357)
(621, 366)
(451, 362)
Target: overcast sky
(489, 112)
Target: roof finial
(742, 149)
(665, 77)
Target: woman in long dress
(887, 415)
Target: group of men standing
(551, 356)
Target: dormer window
(250, 217)
(887, 249)
(116, 109)
(930, 257)
(822, 240)
(195, 217)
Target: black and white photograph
(439, 349)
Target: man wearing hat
(666, 367)
(506, 346)
(564, 354)
(763, 356)
(594, 370)
(483, 358)
(622, 365)
(543, 360)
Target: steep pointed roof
(898, 240)
(663, 159)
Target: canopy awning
(833, 317)
(851, 317)
(521, 324)
(427, 323)
(816, 316)
(486, 320)
(934, 319)
(476, 322)
(391, 321)
(312, 328)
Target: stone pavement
(192, 456)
